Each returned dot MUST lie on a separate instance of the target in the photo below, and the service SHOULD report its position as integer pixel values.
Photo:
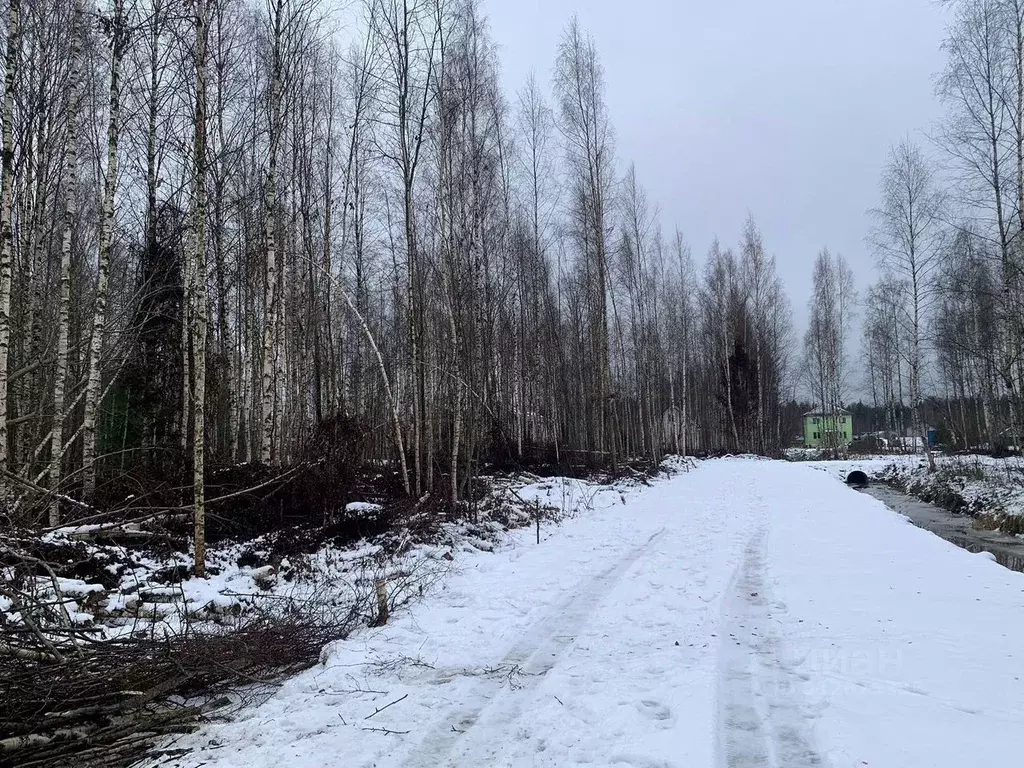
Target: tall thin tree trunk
(92, 390)
(63, 323)
(270, 298)
(333, 399)
(199, 311)
(915, 374)
(13, 58)
(153, 99)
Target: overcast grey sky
(783, 107)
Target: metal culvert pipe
(857, 479)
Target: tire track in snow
(536, 652)
(762, 720)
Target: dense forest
(228, 226)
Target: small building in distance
(828, 430)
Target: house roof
(838, 412)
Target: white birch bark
(6, 215)
(64, 301)
(92, 391)
(270, 297)
(199, 308)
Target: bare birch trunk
(199, 311)
(92, 390)
(915, 374)
(270, 298)
(70, 211)
(6, 216)
(333, 399)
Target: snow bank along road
(749, 613)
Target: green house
(828, 430)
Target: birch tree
(199, 308)
(907, 242)
(277, 10)
(118, 35)
(12, 61)
(64, 300)
(587, 139)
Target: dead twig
(381, 709)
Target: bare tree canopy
(223, 230)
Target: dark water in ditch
(959, 529)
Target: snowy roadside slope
(593, 648)
(886, 644)
(749, 613)
(871, 465)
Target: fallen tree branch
(381, 709)
(14, 478)
(28, 654)
(26, 618)
(107, 707)
(386, 730)
(15, 743)
(181, 508)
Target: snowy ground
(975, 485)
(748, 613)
(872, 465)
(143, 593)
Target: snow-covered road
(748, 613)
